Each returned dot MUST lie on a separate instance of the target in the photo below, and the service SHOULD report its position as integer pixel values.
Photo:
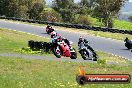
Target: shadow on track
(44, 33)
(124, 49)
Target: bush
(83, 19)
(50, 15)
(22, 12)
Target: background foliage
(64, 10)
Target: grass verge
(24, 73)
(13, 40)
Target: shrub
(83, 19)
(50, 15)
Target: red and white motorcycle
(62, 49)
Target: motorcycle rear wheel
(73, 54)
(49, 31)
(57, 51)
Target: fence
(68, 25)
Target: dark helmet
(126, 39)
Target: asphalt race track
(102, 44)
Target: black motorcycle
(87, 52)
(128, 43)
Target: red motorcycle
(62, 49)
(49, 30)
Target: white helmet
(53, 34)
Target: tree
(21, 8)
(34, 12)
(85, 3)
(85, 7)
(67, 9)
(36, 9)
(8, 7)
(105, 10)
(22, 12)
(50, 15)
(3, 6)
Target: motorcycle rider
(49, 27)
(64, 39)
(128, 40)
(86, 43)
(53, 37)
(57, 37)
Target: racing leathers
(86, 43)
(57, 38)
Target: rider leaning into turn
(56, 37)
(128, 40)
(49, 27)
(86, 43)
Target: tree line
(64, 10)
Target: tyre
(73, 54)
(80, 80)
(128, 46)
(57, 51)
(85, 55)
(95, 57)
(49, 31)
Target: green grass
(124, 25)
(118, 24)
(13, 40)
(24, 73)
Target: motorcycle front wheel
(85, 55)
